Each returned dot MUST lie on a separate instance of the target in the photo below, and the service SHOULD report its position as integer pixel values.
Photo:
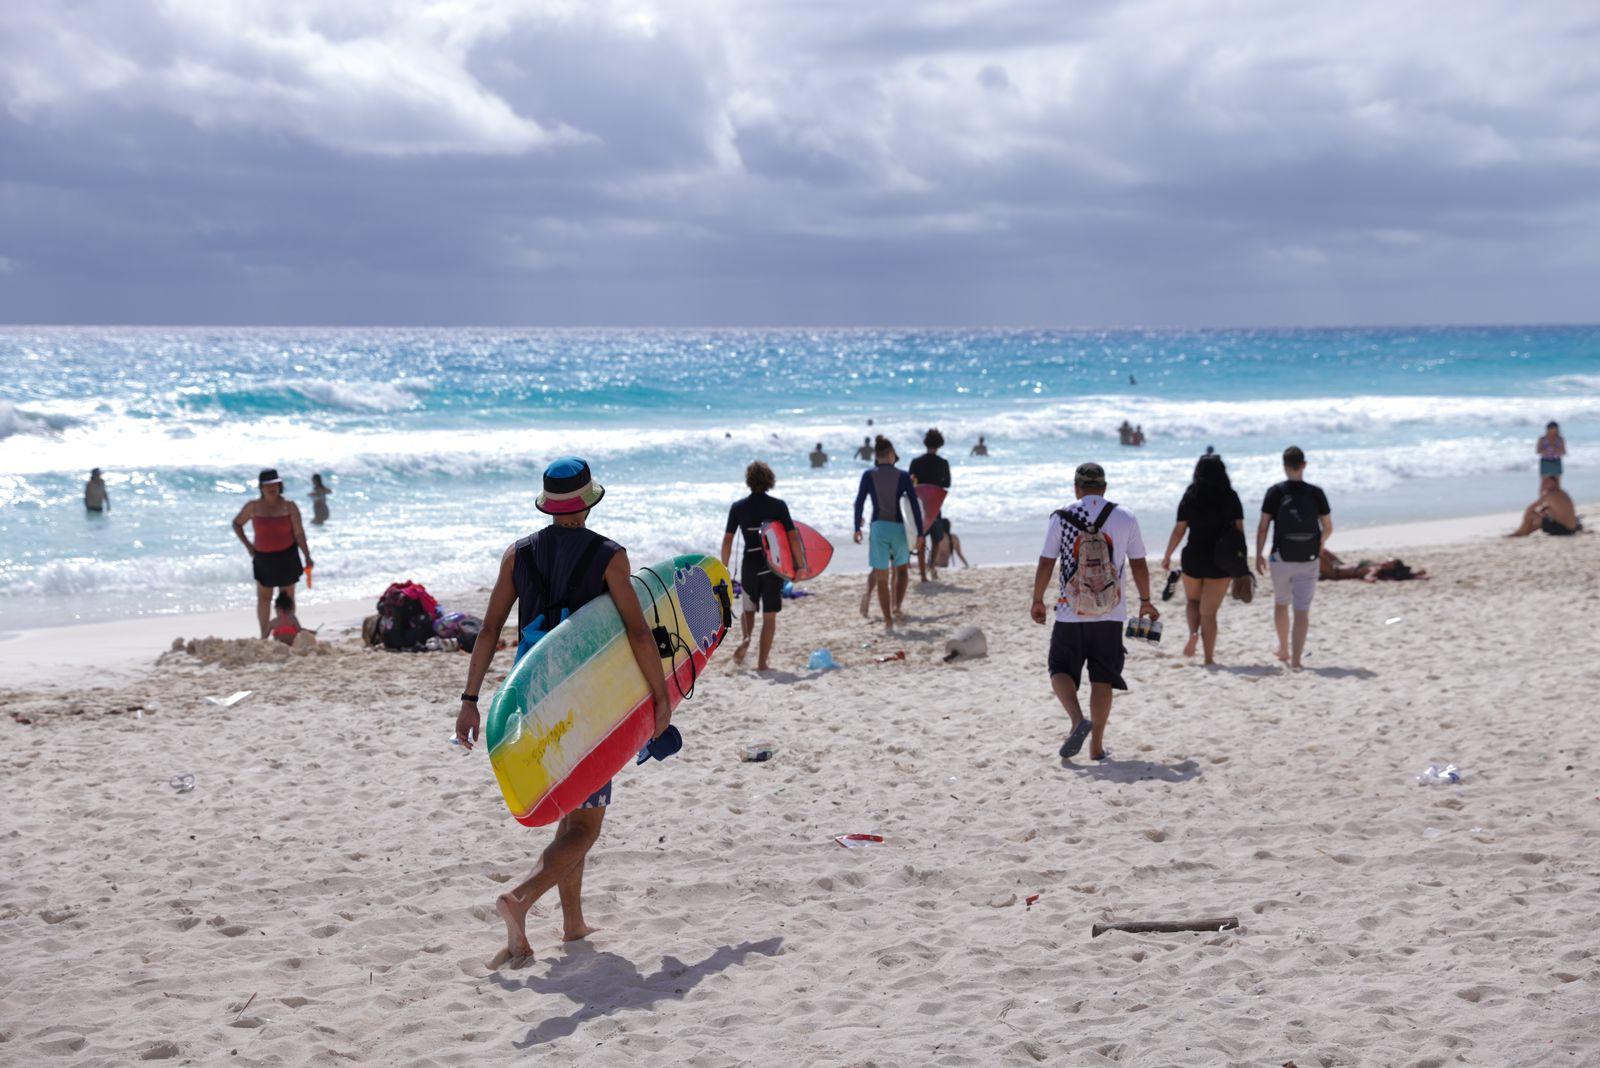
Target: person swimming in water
(818, 457)
(865, 452)
(980, 449)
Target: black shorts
(1200, 561)
(1097, 644)
(1551, 527)
(281, 568)
(763, 590)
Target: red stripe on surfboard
(614, 750)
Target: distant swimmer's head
(1294, 458)
(1089, 478)
(1552, 427)
(569, 488)
(316, 480)
(883, 451)
(759, 477)
(933, 439)
(94, 473)
(819, 446)
(271, 484)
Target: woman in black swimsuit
(1209, 510)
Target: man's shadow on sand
(1134, 770)
(606, 983)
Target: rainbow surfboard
(576, 709)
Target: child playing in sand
(284, 626)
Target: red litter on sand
(897, 655)
(1030, 900)
(858, 841)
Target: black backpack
(403, 624)
(1299, 529)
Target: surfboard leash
(675, 641)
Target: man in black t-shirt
(763, 587)
(1298, 514)
(931, 469)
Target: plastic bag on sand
(1439, 775)
(968, 643)
(822, 660)
(858, 841)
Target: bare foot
(740, 650)
(763, 667)
(900, 616)
(1282, 654)
(514, 915)
(1191, 645)
(578, 933)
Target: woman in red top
(279, 540)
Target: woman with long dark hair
(1210, 509)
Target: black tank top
(559, 567)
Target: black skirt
(1199, 556)
(281, 568)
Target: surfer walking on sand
(280, 539)
(1094, 540)
(886, 484)
(563, 566)
(763, 587)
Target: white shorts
(1294, 582)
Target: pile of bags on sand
(409, 619)
(242, 652)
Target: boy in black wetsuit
(763, 588)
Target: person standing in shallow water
(319, 501)
(280, 538)
(95, 497)
(565, 556)
(818, 457)
(865, 452)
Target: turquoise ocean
(432, 440)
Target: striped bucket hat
(568, 488)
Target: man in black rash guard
(763, 587)
(931, 469)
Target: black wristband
(470, 698)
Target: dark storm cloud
(521, 162)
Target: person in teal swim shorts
(889, 548)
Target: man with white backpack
(1094, 540)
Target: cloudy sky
(1078, 162)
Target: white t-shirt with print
(1121, 530)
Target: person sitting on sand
(280, 538)
(284, 626)
(818, 457)
(980, 449)
(319, 501)
(945, 543)
(564, 556)
(95, 497)
(1551, 448)
(886, 484)
(763, 587)
(865, 452)
(1088, 632)
(1554, 513)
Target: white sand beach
(323, 895)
